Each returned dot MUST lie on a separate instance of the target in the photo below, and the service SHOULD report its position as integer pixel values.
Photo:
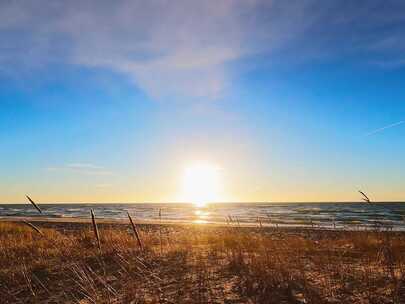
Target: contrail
(385, 128)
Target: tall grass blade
(33, 203)
(33, 227)
(160, 230)
(93, 220)
(138, 238)
(365, 197)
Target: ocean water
(327, 215)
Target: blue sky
(294, 101)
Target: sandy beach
(63, 261)
(202, 152)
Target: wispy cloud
(390, 64)
(385, 128)
(184, 48)
(81, 168)
(103, 186)
(176, 48)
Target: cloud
(81, 168)
(389, 64)
(168, 48)
(184, 49)
(103, 186)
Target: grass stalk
(135, 230)
(33, 227)
(160, 230)
(34, 204)
(93, 220)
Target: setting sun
(201, 184)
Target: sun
(201, 184)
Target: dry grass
(191, 264)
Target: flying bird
(365, 197)
(33, 203)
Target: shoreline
(335, 216)
(155, 224)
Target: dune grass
(198, 264)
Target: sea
(317, 215)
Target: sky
(111, 101)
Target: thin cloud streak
(81, 168)
(385, 128)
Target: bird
(33, 203)
(365, 197)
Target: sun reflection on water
(202, 216)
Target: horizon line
(210, 203)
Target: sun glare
(201, 184)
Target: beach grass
(198, 264)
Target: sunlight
(201, 184)
(202, 216)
